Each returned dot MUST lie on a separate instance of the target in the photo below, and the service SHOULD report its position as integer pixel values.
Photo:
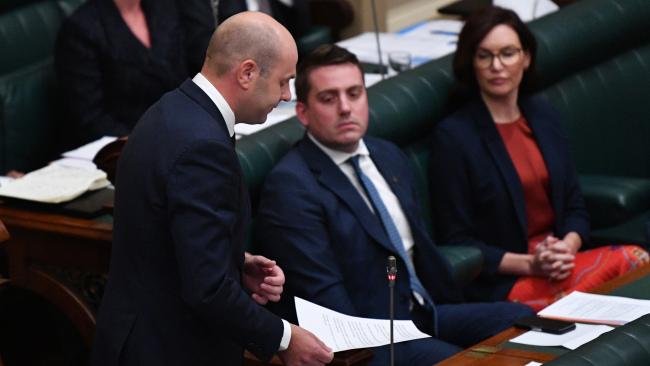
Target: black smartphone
(545, 325)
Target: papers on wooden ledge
(54, 184)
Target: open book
(54, 184)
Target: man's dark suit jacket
(174, 294)
(477, 195)
(106, 76)
(332, 248)
(198, 21)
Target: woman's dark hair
(477, 26)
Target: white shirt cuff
(286, 336)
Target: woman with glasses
(503, 180)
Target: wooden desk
(43, 244)
(46, 247)
(491, 352)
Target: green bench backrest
(28, 123)
(606, 112)
(581, 39)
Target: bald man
(181, 289)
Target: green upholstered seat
(627, 345)
(26, 117)
(314, 37)
(28, 123)
(612, 200)
(27, 34)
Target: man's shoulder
(176, 125)
(377, 143)
(293, 163)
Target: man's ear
(301, 113)
(247, 72)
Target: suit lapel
(195, 93)
(497, 149)
(333, 179)
(395, 181)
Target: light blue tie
(391, 229)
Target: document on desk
(592, 308)
(54, 184)
(342, 332)
(528, 9)
(582, 334)
(422, 49)
(89, 150)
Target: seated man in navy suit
(338, 204)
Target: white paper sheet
(592, 308)
(76, 163)
(533, 363)
(88, 151)
(421, 48)
(54, 184)
(528, 9)
(442, 27)
(571, 340)
(342, 332)
(5, 180)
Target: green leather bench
(28, 127)
(628, 345)
(594, 66)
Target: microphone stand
(392, 275)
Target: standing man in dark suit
(179, 285)
(201, 17)
(339, 203)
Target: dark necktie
(391, 229)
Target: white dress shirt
(229, 117)
(340, 158)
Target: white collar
(340, 157)
(219, 101)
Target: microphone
(391, 271)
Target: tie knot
(354, 160)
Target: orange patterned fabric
(592, 267)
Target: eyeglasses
(508, 57)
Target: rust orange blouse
(531, 168)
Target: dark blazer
(174, 295)
(332, 248)
(198, 22)
(477, 195)
(106, 76)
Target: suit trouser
(460, 326)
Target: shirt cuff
(286, 336)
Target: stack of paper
(82, 157)
(342, 332)
(592, 308)
(54, 184)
